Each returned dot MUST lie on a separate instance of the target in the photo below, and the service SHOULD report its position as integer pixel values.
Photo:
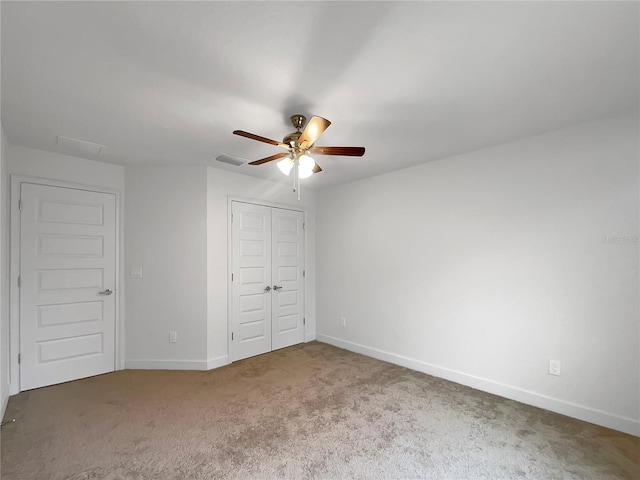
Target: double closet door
(267, 286)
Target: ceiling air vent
(80, 146)
(231, 159)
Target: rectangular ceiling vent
(80, 146)
(231, 160)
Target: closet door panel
(288, 282)
(251, 284)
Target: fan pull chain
(295, 176)
(297, 179)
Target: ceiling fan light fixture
(285, 166)
(306, 165)
(306, 162)
(304, 172)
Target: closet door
(287, 320)
(251, 290)
(267, 287)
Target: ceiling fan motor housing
(292, 138)
(298, 121)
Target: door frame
(262, 203)
(14, 270)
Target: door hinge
(304, 273)
(304, 225)
(232, 336)
(19, 282)
(20, 204)
(304, 321)
(232, 277)
(19, 358)
(232, 218)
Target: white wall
(4, 273)
(166, 234)
(221, 185)
(37, 163)
(482, 267)
(176, 230)
(54, 166)
(4, 277)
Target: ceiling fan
(299, 145)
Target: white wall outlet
(554, 367)
(173, 337)
(343, 322)
(136, 272)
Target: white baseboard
(217, 362)
(152, 364)
(310, 338)
(581, 412)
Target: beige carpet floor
(309, 411)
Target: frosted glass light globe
(285, 166)
(306, 162)
(304, 172)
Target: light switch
(136, 272)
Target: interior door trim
(14, 270)
(264, 203)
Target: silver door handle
(276, 287)
(267, 288)
(108, 291)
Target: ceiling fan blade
(344, 151)
(253, 136)
(316, 169)
(312, 131)
(269, 159)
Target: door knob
(267, 288)
(276, 287)
(108, 291)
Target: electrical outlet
(173, 337)
(343, 322)
(554, 367)
(136, 272)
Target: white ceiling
(165, 83)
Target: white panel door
(267, 288)
(288, 283)
(251, 284)
(68, 275)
